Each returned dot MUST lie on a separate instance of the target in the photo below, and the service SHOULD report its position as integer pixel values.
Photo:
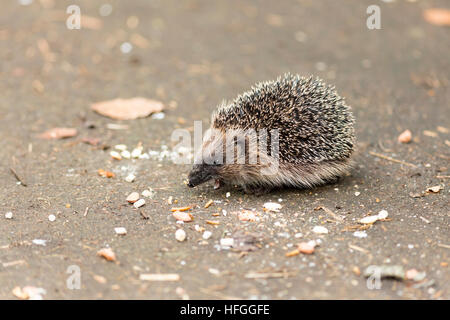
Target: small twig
(143, 214)
(86, 211)
(331, 213)
(382, 156)
(443, 177)
(443, 245)
(17, 177)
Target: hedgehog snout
(200, 174)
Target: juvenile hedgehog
(291, 132)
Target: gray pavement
(191, 55)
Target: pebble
(139, 203)
(120, 230)
(357, 193)
(51, 217)
(180, 235)
(320, 230)
(130, 178)
(228, 194)
(207, 235)
(9, 215)
(133, 197)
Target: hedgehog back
(314, 123)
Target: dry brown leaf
(440, 17)
(127, 109)
(59, 133)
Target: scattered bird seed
(115, 155)
(360, 234)
(120, 230)
(227, 242)
(206, 235)
(120, 147)
(126, 154)
(9, 215)
(180, 235)
(183, 216)
(208, 204)
(51, 218)
(130, 178)
(405, 137)
(272, 206)
(39, 242)
(320, 230)
(107, 253)
(139, 203)
(133, 197)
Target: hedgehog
(294, 132)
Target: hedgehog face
(201, 173)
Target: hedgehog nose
(190, 184)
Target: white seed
(139, 203)
(272, 206)
(147, 193)
(360, 234)
(369, 219)
(126, 154)
(227, 242)
(51, 217)
(228, 194)
(130, 178)
(120, 147)
(115, 155)
(9, 215)
(357, 193)
(136, 152)
(320, 230)
(207, 235)
(180, 235)
(120, 230)
(39, 242)
(383, 214)
(133, 197)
